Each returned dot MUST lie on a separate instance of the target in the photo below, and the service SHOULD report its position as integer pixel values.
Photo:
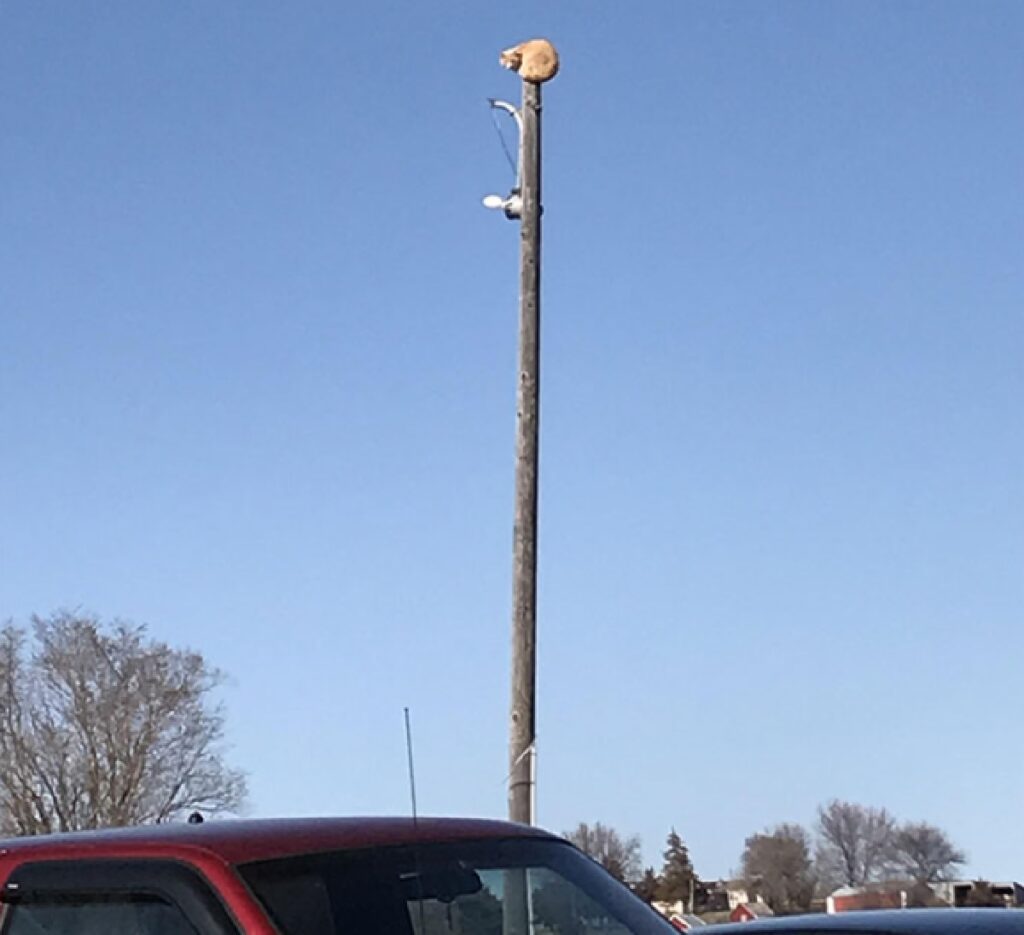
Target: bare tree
(925, 853)
(103, 726)
(619, 855)
(855, 842)
(777, 865)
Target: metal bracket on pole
(509, 109)
(511, 204)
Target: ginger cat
(535, 60)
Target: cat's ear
(512, 58)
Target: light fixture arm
(512, 205)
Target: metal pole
(523, 718)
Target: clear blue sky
(257, 368)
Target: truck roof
(241, 841)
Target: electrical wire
(504, 143)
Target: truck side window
(112, 896)
(108, 915)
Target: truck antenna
(415, 821)
(412, 768)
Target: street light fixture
(511, 204)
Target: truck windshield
(497, 887)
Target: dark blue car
(887, 922)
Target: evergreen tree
(677, 876)
(647, 886)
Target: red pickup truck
(355, 876)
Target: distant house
(677, 914)
(959, 892)
(873, 896)
(710, 896)
(750, 912)
(685, 921)
(906, 894)
(738, 895)
(720, 895)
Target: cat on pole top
(535, 61)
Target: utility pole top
(535, 61)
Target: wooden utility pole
(523, 723)
(535, 62)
